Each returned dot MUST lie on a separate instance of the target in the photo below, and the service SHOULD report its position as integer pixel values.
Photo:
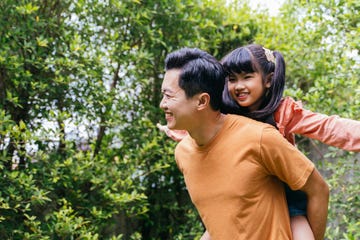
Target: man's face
(178, 109)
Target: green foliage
(80, 87)
(80, 156)
(342, 171)
(320, 44)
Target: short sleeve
(281, 159)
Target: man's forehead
(171, 81)
(172, 74)
(170, 89)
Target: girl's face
(247, 89)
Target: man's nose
(162, 103)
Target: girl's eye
(232, 79)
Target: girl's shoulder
(288, 106)
(284, 115)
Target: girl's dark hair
(249, 59)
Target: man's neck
(208, 129)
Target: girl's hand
(176, 135)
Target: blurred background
(80, 155)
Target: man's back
(232, 179)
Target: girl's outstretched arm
(205, 236)
(333, 130)
(176, 135)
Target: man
(234, 166)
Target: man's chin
(172, 127)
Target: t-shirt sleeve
(281, 159)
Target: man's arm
(317, 192)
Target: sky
(272, 5)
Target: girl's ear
(203, 100)
(268, 80)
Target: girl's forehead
(243, 72)
(248, 66)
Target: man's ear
(268, 80)
(203, 100)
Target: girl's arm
(292, 119)
(205, 236)
(176, 135)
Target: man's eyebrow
(166, 90)
(169, 91)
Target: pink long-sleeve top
(292, 119)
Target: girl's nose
(239, 85)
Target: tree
(320, 42)
(80, 87)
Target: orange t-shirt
(234, 181)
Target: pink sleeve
(292, 119)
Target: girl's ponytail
(277, 83)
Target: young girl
(254, 88)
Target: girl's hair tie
(269, 55)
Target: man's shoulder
(246, 121)
(185, 144)
(251, 128)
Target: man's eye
(166, 96)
